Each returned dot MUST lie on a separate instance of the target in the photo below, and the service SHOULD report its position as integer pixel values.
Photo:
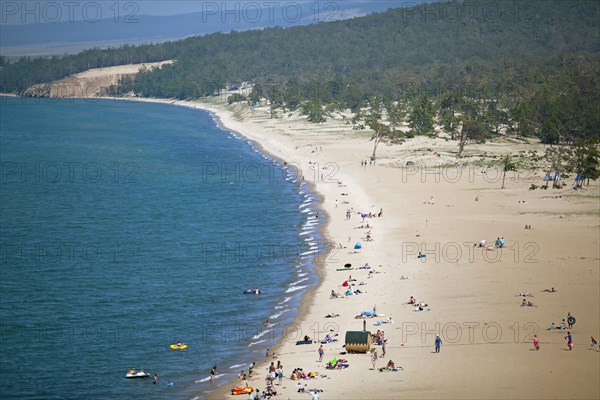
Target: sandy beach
(472, 293)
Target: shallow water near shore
(128, 226)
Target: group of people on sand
(566, 323)
(298, 374)
(568, 338)
(337, 363)
(419, 305)
(560, 326)
(527, 303)
(379, 339)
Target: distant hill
(66, 36)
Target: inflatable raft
(242, 390)
(178, 346)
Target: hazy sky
(43, 11)
(68, 26)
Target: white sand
(487, 350)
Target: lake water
(126, 227)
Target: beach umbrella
(357, 245)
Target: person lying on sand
(412, 300)
(362, 316)
(328, 339)
(332, 315)
(390, 367)
(552, 290)
(334, 295)
(523, 294)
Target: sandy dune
(91, 83)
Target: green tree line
(531, 68)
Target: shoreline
(475, 295)
(304, 302)
(306, 299)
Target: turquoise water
(125, 227)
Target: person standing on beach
(374, 359)
(594, 344)
(438, 343)
(213, 373)
(250, 369)
(569, 340)
(536, 343)
(321, 352)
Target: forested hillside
(532, 66)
